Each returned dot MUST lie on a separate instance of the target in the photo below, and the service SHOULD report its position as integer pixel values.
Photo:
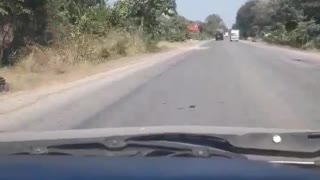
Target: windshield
(74, 65)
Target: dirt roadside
(12, 102)
(283, 47)
(308, 56)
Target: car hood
(107, 132)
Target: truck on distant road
(235, 35)
(219, 35)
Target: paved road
(228, 84)
(222, 84)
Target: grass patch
(45, 66)
(77, 58)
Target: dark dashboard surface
(68, 167)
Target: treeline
(126, 23)
(288, 22)
(25, 23)
(47, 22)
(212, 23)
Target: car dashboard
(71, 167)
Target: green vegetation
(25, 24)
(47, 41)
(212, 23)
(288, 22)
(91, 29)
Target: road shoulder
(17, 104)
(310, 56)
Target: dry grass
(76, 59)
(21, 79)
(171, 45)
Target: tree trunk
(1, 55)
(6, 38)
(141, 28)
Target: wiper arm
(146, 149)
(295, 145)
(179, 149)
(172, 145)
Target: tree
(19, 19)
(262, 16)
(287, 12)
(259, 15)
(44, 22)
(311, 9)
(146, 13)
(212, 23)
(287, 22)
(246, 17)
(174, 28)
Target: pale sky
(200, 9)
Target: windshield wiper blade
(172, 145)
(149, 149)
(294, 145)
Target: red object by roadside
(193, 28)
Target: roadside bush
(295, 23)
(77, 24)
(305, 35)
(316, 42)
(121, 47)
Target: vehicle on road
(161, 153)
(235, 35)
(219, 36)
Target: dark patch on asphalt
(298, 60)
(305, 61)
(191, 107)
(221, 102)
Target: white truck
(235, 35)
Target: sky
(200, 9)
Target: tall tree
(290, 22)
(246, 17)
(146, 13)
(212, 23)
(311, 9)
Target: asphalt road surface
(221, 84)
